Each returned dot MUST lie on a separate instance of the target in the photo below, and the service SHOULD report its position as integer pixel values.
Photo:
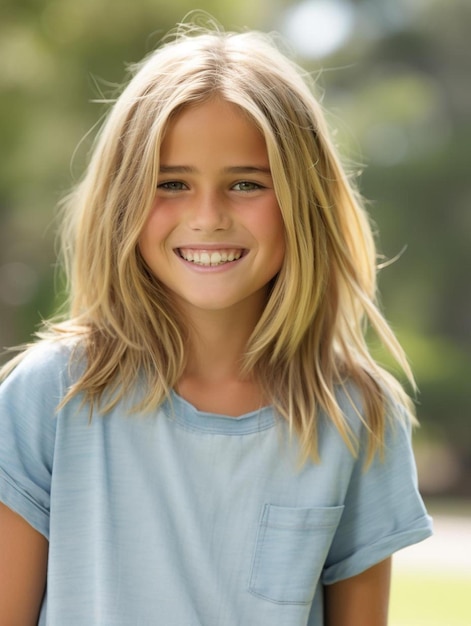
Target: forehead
(215, 126)
(211, 112)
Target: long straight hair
(310, 338)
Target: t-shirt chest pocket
(291, 547)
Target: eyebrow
(176, 169)
(247, 169)
(236, 169)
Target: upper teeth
(205, 257)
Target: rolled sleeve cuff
(372, 554)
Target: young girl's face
(215, 235)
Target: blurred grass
(430, 600)
(435, 597)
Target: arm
(361, 600)
(23, 562)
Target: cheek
(279, 235)
(156, 227)
(271, 231)
(144, 240)
(149, 240)
(274, 225)
(280, 254)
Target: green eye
(172, 185)
(246, 185)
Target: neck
(212, 379)
(217, 344)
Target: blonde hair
(311, 336)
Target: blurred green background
(394, 77)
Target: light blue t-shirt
(184, 518)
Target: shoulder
(29, 398)
(384, 441)
(46, 366)
(375, 425)
(353, 401)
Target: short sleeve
(28, 400)
(383, 512)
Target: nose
(209, 212)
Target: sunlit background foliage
(395, 78)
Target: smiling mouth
(210, 258)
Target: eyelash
(176, 185)
(253, 186)
(169, 185)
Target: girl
(206, 440)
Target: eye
(247, 185)
(172, 185)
